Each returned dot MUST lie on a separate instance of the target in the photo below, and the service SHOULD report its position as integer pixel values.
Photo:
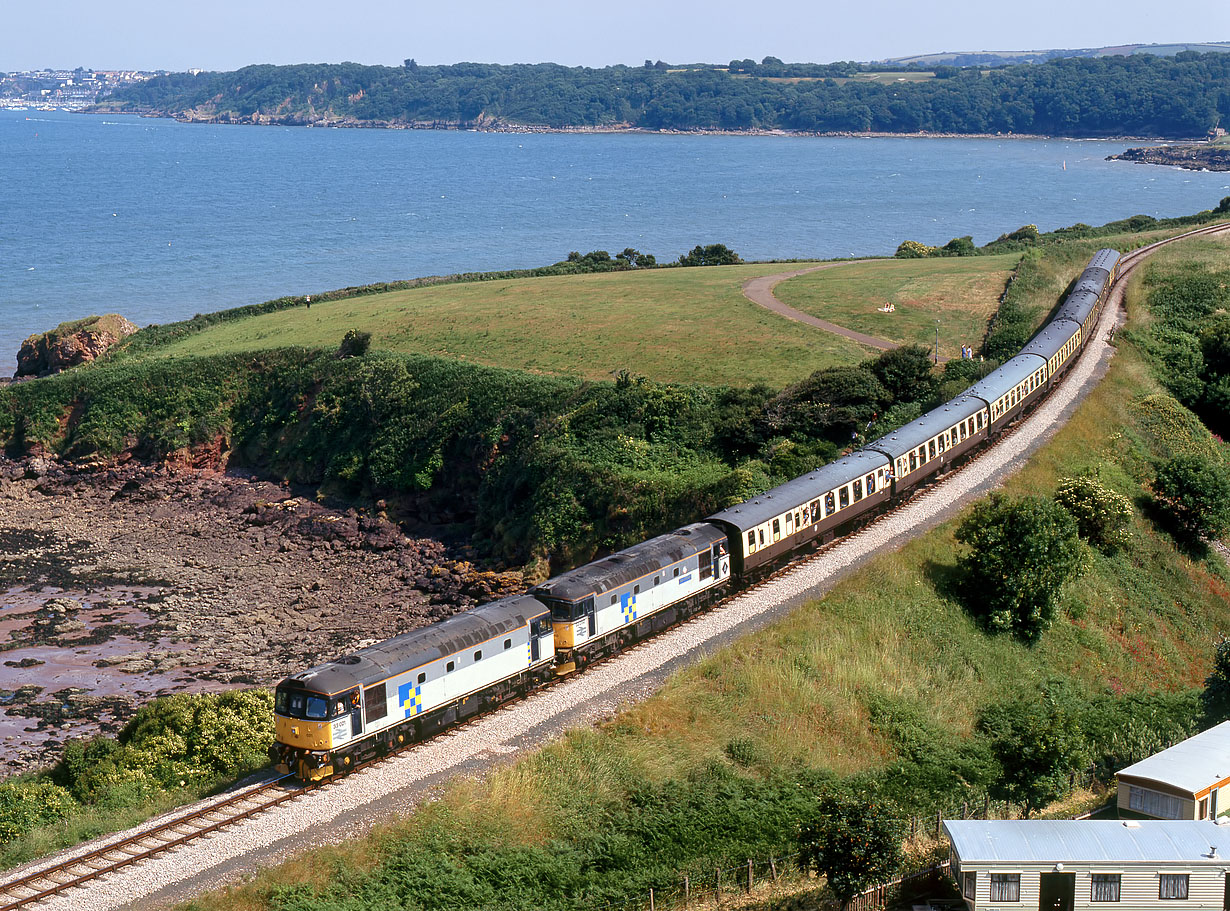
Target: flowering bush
(1102, 516)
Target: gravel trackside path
(350, 806)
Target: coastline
(501, 127)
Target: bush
(1101, 515)
(853, 840)
(1021, 555)
(912, 249)
(26, 805)
(1192, 493)
(710, 255)
(1215, 697)
(354, 343)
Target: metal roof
(1190, 765)
(630, 564)
(1104, 259)
(1051, 841)
(1078, 305)
(1054, 335)
(458, 633)
(915, 433)
(810, 486)
(1002, 380)
(1091, 280)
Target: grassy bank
(879, 686)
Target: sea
(159, 220)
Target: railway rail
(180, 829)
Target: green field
(804, 693)
(961, 292)
(674, 325)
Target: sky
(227, 34)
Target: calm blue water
(159, 220)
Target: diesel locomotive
(330, 717)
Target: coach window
(777, 529)
(761, 533)
(931, 450)
(913, 460)
(815, 510)
(858, 490)
(830, 505)
(871, 484)
(789, 523)
(799, 519)
(843, 497)
(751, 540)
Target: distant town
(69, 90)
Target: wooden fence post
(651, 908)
(749, 875)
(687, 892)
(717, 885)
(939, 821)
(773, 868)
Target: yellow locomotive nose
(304, 735)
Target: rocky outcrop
(71, 344)
(1192, 157)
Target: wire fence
(739, 885)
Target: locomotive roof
(632, 563)
(934, 422)
(1078, 305)
(1004, 379)
(801, 490)
(1054, 335)
(458, 633)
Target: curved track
(521, 725)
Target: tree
(1022, 553)
(905, 372)
(710, 255)
(1215, 697)
(1192, 493)
(1038, 745)
(912, 249)
(354, 343)
(1101, 515)
(854, 841)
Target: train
(354, 708)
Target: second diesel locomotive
(342, 712)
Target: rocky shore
(129, 581)
(1199, 157)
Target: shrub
(26, 805)
(1101, 515)
(1192, 492)
(354, 343)
(1021, 555)
(912, 249)
(853, 840)
(710, 255)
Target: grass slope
(674, 325)
(806, 692)
(960, 292)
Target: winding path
(760, 291)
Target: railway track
(180, 829)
